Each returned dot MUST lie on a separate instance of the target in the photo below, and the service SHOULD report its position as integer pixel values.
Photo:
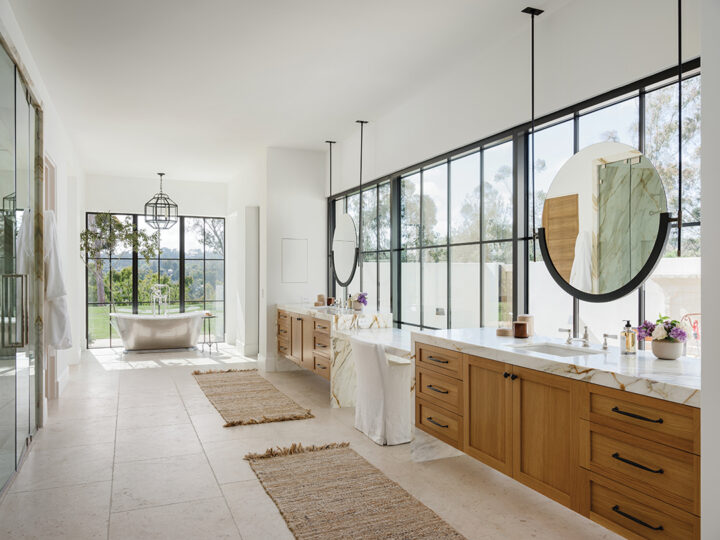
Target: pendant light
(533, 12)
(330, 143)
(161, 212)
(680, 141)
(360, 206)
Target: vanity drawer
(284, 331)
(321, 326)
(322, 366)
(655, 469)
(635, 515)
(440, 360)
(321, 343)
(661, 421)
(283, 348)
(439, 389)
(283, 318)
(440, 423)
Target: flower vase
(357, 306)
(667, 350)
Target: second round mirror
(344, 250)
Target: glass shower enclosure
(18, 398)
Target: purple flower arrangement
(664, 329)
(361, 297)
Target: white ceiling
(193, 86)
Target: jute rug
(244, 397)
(331, 492)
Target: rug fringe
(209, 371)
(267, 420)
(294, 448)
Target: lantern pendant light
(161, 212)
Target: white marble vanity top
(342, 318)
(671, 380)
(394, 340)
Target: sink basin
(557, 349)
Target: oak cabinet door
(545, 435)
(296, 340)
(488, 412)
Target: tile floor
(134, 450)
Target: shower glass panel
(7, 257)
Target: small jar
(520, 329)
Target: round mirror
(604, 222)
(344, 250)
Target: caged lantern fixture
(161, 212)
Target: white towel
(581, 273)
(58, 321)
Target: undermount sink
(557, 349)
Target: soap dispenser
(628, 339)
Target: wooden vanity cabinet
(305, 341)
(626, 461)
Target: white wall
(582, 50)
(60, 149)
(114, 194)
(710, 267)
(296, 208)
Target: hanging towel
(58, 324)
(24, 244)
(581, 273)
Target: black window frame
(523, 238)
(136, 303)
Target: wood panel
(439, 389)
(561, 223)
(440, 360)
(545, 433)
(308, 360)
(440, 423)
(661, 421)
(296, 340)
(488, 412)
(659, 471)
(635, 515)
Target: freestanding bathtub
(155, 332)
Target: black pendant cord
(161, 174)
(533, 12)
(680, 129)
(360, 205)
(330, 143)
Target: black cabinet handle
(617, 510)
(637, 416)
(513, 377)
(506, 374)
(437, 389)
(322, 367)
(433, 359)
(321, 346)
(298, 318)
(638, 465)
(430, 419)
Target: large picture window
(190, 260)
(459, 228)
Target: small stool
(208, 336)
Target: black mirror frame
(354, 268)
(647, 269)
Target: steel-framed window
(175, 264)
(524, 246)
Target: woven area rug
(244, 397)
(331, 492)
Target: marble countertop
(395, 341)
(672, 380)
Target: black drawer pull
(637, 416)
(283, 331)
(433, 359)
(430, 419)
(513, 377)
(322, 367)
(638, 465)
(437, 389)
(506, 374)
(617, 510)
(320, 345)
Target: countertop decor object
(520, 329)
(530, 320)
(668, 337)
